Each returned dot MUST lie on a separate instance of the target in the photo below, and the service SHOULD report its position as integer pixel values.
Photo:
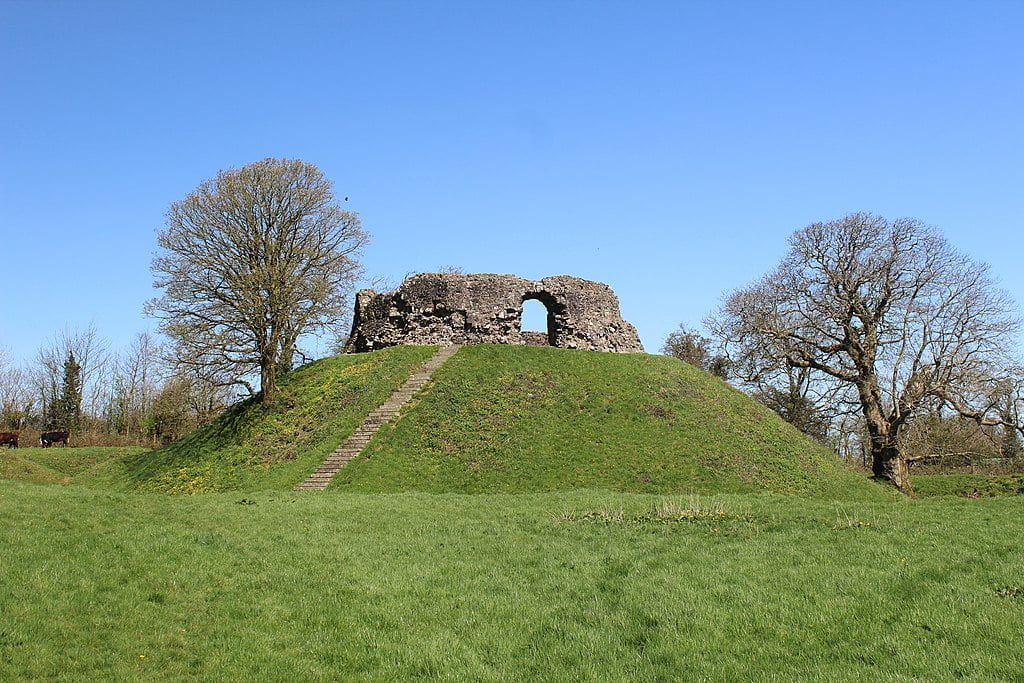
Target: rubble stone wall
(452, 308)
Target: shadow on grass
(146, 468)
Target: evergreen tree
(68, 411)
(1011, 446)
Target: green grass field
(535, 515)
(556, 586)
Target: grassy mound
(252, 448)
(496, 419)
(523, 419)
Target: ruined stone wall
(451, 308)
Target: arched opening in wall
(538, 322)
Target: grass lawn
(553, 586)
(536, 514)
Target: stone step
(387, 412)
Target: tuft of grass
(846, 519)
(710, 515)
(673, 510)
(521, 419)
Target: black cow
(47, 439)
(9, 439)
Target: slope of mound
(518, 419)
(60, 465)
(15, 464)
(969, 485)
(250, 447)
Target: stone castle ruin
(450, 308)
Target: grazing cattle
(47, 439)
(9, 439)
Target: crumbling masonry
(449, 309)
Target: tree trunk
(268, 380)
(888, 464)
(886, 460)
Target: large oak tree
(251, 260)
(891, 311)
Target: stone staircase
(354, 445)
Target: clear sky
(665, 148)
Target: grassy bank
(572, 585)
(252, 447)
(524, 419)
(62, 465)
(969, 485)
(496, 419)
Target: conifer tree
(68, 411)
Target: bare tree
(16, 401)
(798, 398)
(890, 309)
(946, 441)
(252, 259)
(133, 385)
(695, 349)
(89, 351)
(184, 403)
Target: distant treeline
(105, 397)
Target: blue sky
(666, 148)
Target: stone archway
(550, 336)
